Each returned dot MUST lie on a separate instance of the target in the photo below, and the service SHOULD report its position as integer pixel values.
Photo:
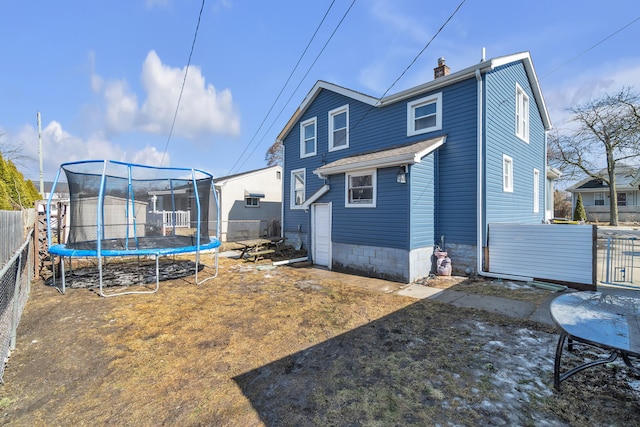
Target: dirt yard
(288, 347)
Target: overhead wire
(184, 81)
(590, 48)
(390, 87)
(351, 128)
(300, 82)
(282, 89)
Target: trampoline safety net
(134, 207)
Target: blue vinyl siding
(385, 225)
(440, 197)
(456, 172)
(517, 206)
(422, 179)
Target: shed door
(321, 234)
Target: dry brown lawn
(283, 347)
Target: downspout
(480, 229)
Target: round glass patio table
(607, 321)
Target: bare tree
(561, 204)
(15, 153)
(607, 128)
(273, 155)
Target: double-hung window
(507, 174)
(308, 137)
(598, 199)
(424, 115)
(339, 128)
(622, 199)
(297, 188)
(360, 189)
(522, 114)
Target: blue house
(373, 185)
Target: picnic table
(255, 249)
(603, 320)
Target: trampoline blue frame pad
(64, 251)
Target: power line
(590, 48)
(351, 128)
(423, 49)
(393, 84)
(184, 81)
(282, 90)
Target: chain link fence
(16, 255)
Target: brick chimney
(441, 70)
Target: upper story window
(308, 137)
(536, 191)
(424, 115)
(360, 189)
(278, 174)
(507, 174)
(298, 189)
(339, 128)
(522, 114)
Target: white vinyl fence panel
(559, 252)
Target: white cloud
(589, 85)
(203, 110)
(59, 146)
(151, 157)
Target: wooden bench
(258, 255)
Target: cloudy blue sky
(106, 75)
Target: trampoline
(119, 209)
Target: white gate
(558, 252)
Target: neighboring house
(596, 200)
(62, 191)
(372, 185)
(250, 204)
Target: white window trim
(411, 110)
(522, 117)
(292, 192)
(595, 198)
(536, 190)
(251, 206)
(373, 173)
(343, 109)
(313, 121)
(507, 172)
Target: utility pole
(40, 154)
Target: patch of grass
(282, 347)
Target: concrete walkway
(506, 306)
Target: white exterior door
(321, 234)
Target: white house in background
(596, 200)
(250, 204)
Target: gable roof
(396, 156)
(469, 72)
(627, 177)
(223, 179)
